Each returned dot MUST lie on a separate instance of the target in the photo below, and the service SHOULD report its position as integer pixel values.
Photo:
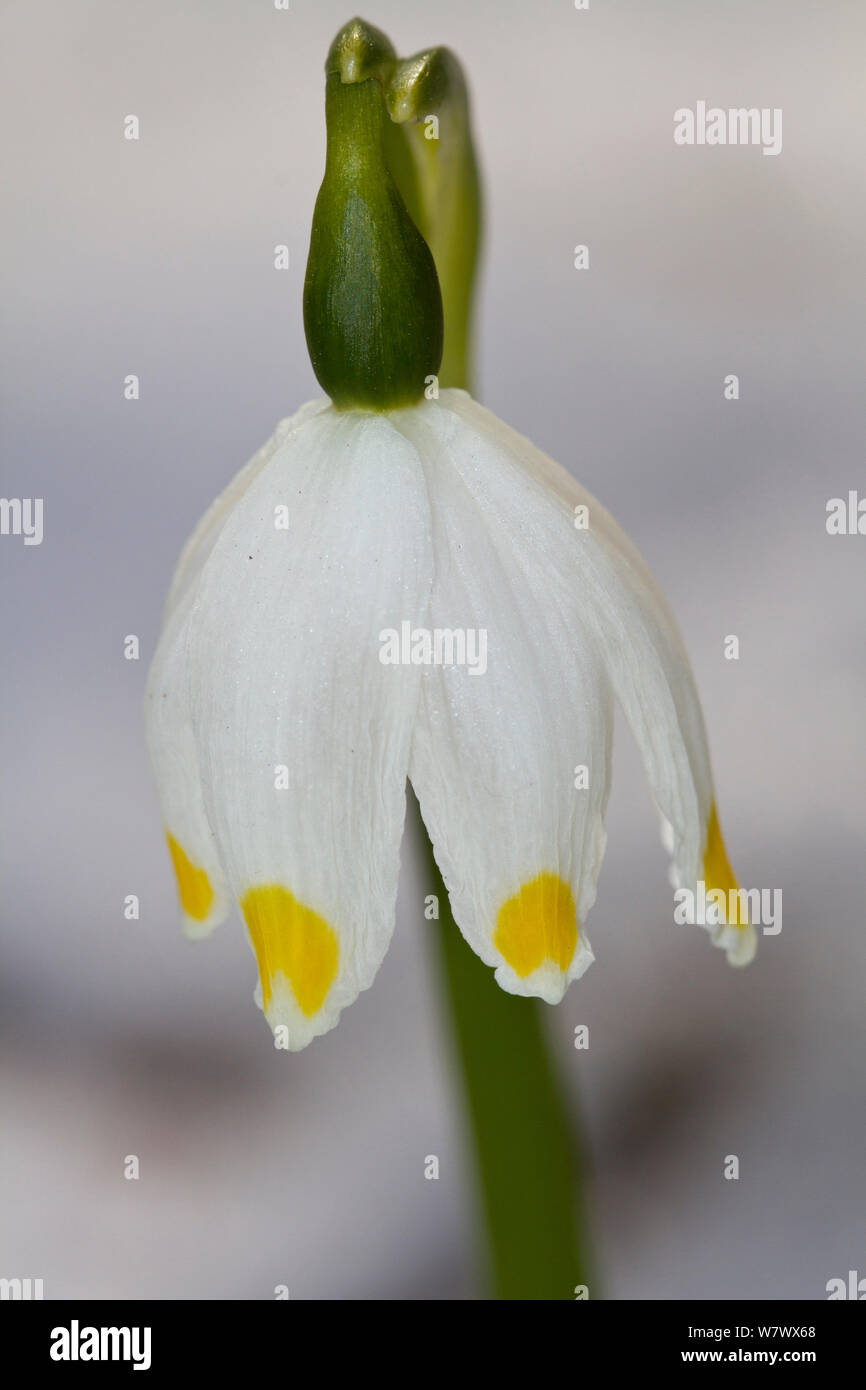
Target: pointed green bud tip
(424, 84)
(360, 51)
(372, 304)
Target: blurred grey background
(156, 258)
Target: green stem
(525, 1147)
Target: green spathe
(372, 304)
(438, 176)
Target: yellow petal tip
(737, 933)
(536, 925)
(292, 941)
(193, 884)
(719, 877)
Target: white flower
(282, 741)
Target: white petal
(630, 622)
(205, 901)
(205, 535)
(283, 658)
(496, 751)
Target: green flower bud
(372, 304)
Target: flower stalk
(527, 1153)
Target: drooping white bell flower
(346, 528)
(395, 587)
